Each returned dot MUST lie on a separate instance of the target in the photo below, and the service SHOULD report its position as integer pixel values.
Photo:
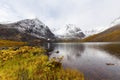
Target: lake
(97, 61)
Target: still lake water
(97, 61)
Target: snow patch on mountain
(94, 31)
(34, 27)
(70, 31)
(115, 22)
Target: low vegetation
(30, 63)
(11, 43)
(113, 36)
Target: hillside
(14, 34)
(110, 35)
(29, 30)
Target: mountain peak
(35, 19)
(70, 31)
(72, 27)
(32, 21)
(33, 27)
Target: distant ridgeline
(33, 30)
(110, 35)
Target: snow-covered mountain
(115, 22)
(90, 32)
(94, 31)
(34, 27)
(26, 30)
(70, 31)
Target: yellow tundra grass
(11, 43)
(31, 63)
(113, 36)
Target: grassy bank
(11, 43)
(113, 36)
(30, 63)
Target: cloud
(87, 14)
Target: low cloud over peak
(57, 13)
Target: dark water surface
(98, 61)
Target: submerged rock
(110, 64)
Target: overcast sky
(87, 14)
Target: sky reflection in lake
(90, 58)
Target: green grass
(30, 63)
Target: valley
(31, 50)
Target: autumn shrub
(31, 63)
